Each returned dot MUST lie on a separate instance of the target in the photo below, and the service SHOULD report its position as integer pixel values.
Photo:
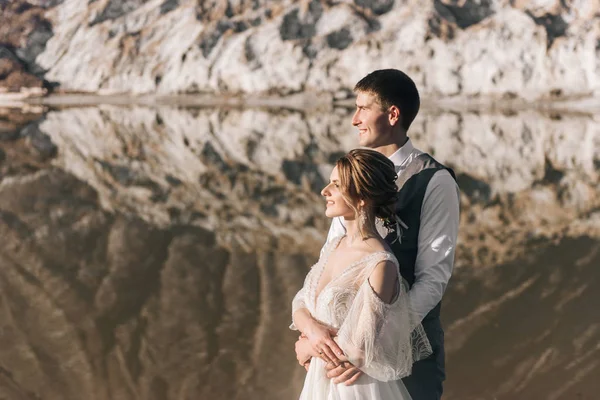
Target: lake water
(152, 253)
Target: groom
(387, 102)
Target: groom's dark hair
(392, 87)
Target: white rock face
(489, 49)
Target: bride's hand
(320, 337)
(304, 351)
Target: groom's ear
(394, 115)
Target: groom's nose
(355, 120)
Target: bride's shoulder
(380, 250)
(375, 245)
(372, 249)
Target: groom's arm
(437, 243)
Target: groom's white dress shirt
(437, 234)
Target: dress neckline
(332, 248)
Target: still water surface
(153, 253)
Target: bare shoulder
(385, 269)
(383, 280)
(384, 276)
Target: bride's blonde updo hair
(369, 176)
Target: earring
(362, 217)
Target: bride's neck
(354, 234)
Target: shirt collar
(402, 154)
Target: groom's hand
(345, 373)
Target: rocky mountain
(152, 252)
(486, 50)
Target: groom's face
(374, 129)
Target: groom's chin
(364, 142)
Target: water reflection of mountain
(527, 329)
(523, 175)
(152, 254)
(97, 303)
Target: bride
(354, 306)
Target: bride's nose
(325, 191)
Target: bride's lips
(329, 203)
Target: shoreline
(304, 102)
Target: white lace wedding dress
(382, 340)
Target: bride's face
(336, 205)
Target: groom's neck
(393, 146)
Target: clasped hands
(318, 342)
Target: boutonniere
(395, 224)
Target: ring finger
(330, 355)
(324, 356)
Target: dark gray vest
(412, 184)
(425, 382)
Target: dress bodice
(382, 339)
(331, 305)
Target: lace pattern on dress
(305, 298)
(383, 340)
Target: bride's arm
(377, 334)
(319, 335)
(383, 283)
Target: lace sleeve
(378, 337)
(298, 302)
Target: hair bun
(370, 176)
